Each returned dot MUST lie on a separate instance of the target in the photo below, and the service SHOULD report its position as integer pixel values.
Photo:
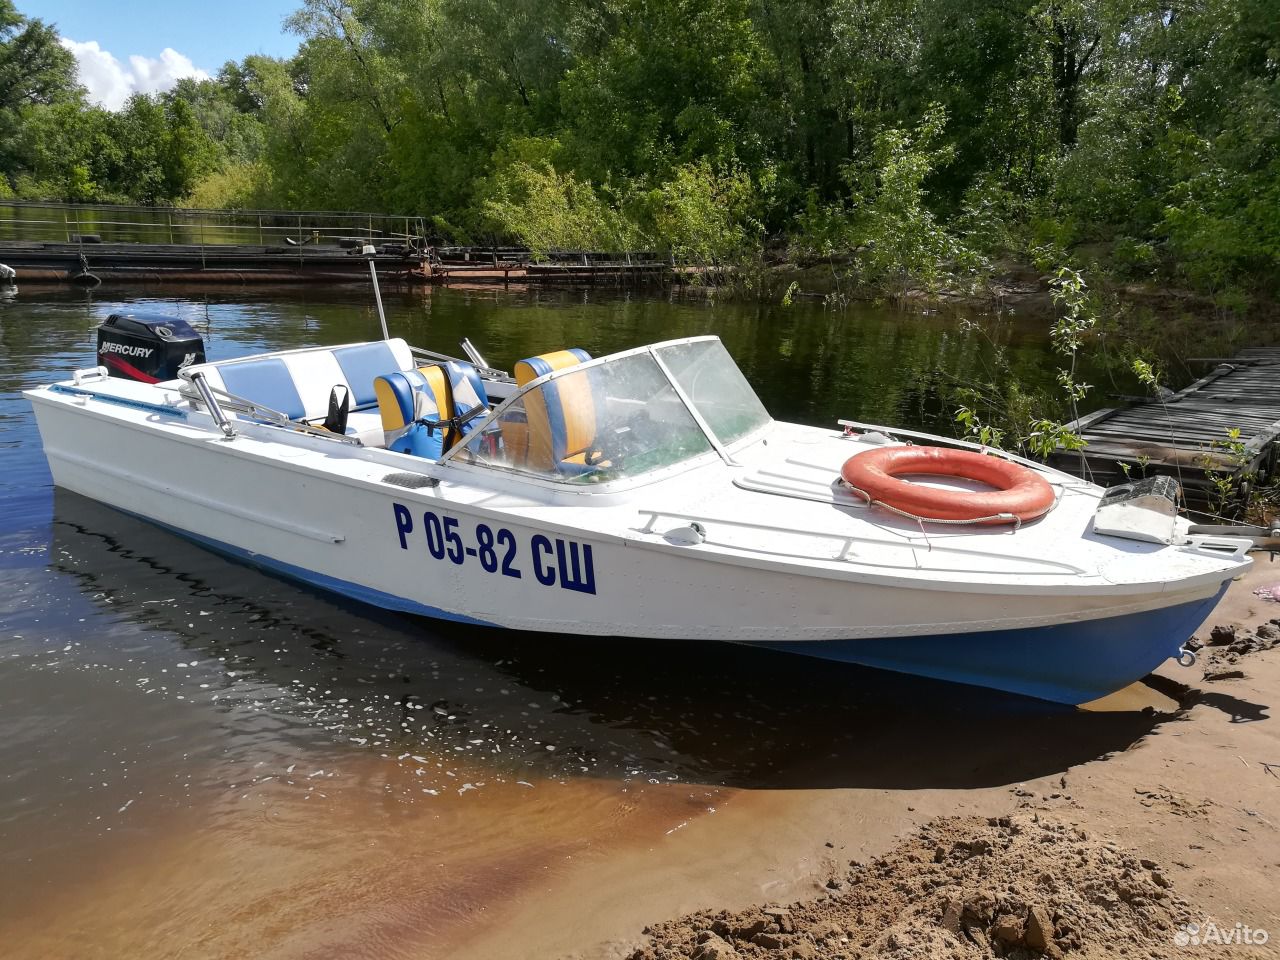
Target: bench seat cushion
(267, 381)
(367, 426)
(297, 383)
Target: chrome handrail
(266, 415)
(476, 356)
(211, 404)
(493, 373)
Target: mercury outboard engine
(147, 346)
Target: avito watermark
(1210, 934)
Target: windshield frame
(451, 456)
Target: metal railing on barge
(36, 222)
(68, 242)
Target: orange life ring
(1019, 492)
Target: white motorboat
(643, 494)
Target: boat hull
(418, 551)
(1069, 663)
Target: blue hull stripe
(1066, 663)
(346, 588)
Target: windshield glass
(716, 387)
(603, 422)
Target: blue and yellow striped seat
(436, 393)
(469, 400)
(403, 398)
(561, 416)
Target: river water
(200, 760)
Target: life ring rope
(873, 502)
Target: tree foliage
(34, 68)
(909, 139)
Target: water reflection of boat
(646, 494)
(294, 660)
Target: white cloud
(110, 84)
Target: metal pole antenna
(377, 295)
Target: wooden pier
(1188, 435)
(94, 263)
(68, 243)
(241, 263)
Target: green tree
(35, 70)
(34, 67)
(668, 82)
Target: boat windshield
(716, 388)
(620, 417)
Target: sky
(124, 47)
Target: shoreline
(1192, 793)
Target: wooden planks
(1188, 434)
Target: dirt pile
(1230, 643)
(962, 887)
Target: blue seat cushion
(361, 365)
(409, 396)
(267, 382)
(395, 390)
(421, 441)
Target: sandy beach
(1112, 856)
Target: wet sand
(1197, 799)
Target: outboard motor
(147, 346)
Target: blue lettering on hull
(554, 561)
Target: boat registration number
(551, 561)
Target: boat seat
(366, 425)
(560, 426)
(451, 391)
(298, 383)
(421, 394)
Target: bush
(238, 186)
(547, 210)
(1135, 258)
(701, 216)
(894, 240)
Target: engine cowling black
(148, 347)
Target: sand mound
(962, 887)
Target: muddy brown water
(198, 759)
